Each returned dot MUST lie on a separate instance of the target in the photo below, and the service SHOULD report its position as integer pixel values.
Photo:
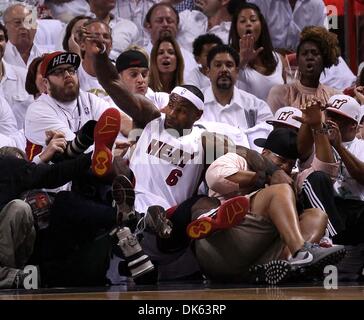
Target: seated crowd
(158, 141)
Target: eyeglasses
(60, 72)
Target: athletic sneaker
(273, 272)
(138, 262)
(312, 258)
(229, 214)
(105, 133)
(124, 196)
(157, 222)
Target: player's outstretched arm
(139, 108)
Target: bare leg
(312, 224)
(277, 203)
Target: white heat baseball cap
(284, 115)
(346, 106)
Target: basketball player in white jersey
(171, 152)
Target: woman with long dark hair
(260, 66)
(166, 65)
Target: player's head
(184, 108)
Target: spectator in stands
(286, 19)
(343, 115)
(224, 102)
(135, 11)
(317, 50)
(260, 66)
(207, 17)
(66, 10)
(86, 73)
(133, 68)
(201, 47)
(285, 118)
(10, 135)
(166, 65)
(73, 33)
(163, 20)
(82, 220)
(34, 84)
(259, 236)
(21, 26)
(12, 82)
(65, 107)
(124, 32)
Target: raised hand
(247, 51)
(359, 94)
(99, 47)
(312, 114)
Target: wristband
(323, 130)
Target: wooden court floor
(348, 291)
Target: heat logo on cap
(337, 104)
(284, 115)
(65, 58)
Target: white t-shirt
(345, 186)
(7, 120)
(47, 113)
(90, 84)
(159, 99)
(198, 79)
(68, 10)
(47, 35)
(135, 11)
(244, 111)
(339, 77)
(12, 88)
(258, 84)
(285, 24)
(167, 169)
(10, 136)
(124, 34)
(13, 57)
(194, 23)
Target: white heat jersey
(167, 169)
(346, 186)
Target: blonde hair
(154, 75)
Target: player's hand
(99, 46)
